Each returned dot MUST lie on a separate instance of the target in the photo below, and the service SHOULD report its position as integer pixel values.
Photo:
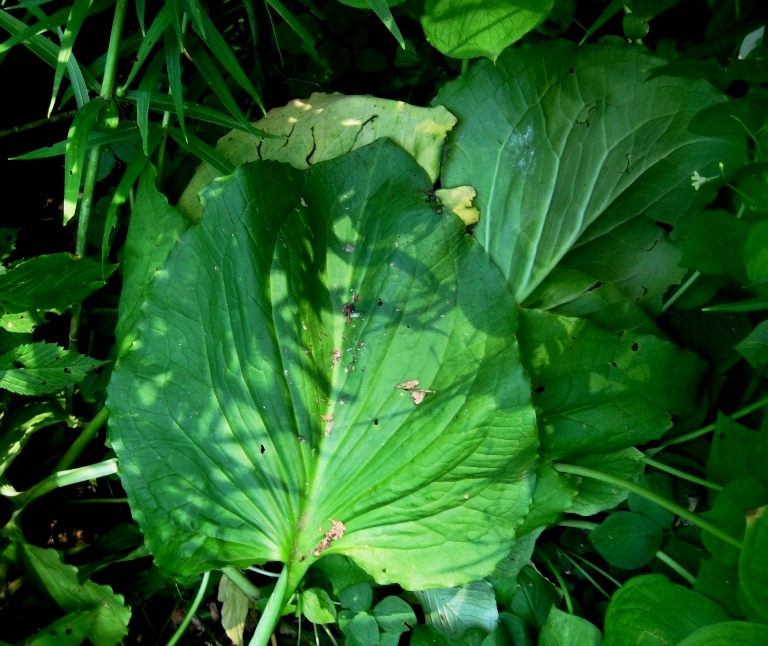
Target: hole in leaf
(539, 389)
(67, 371)
(663, 225)
(570, 71)
(262, 449)
(380, 303)
(375, 421)
(68, 631)
(635, 347)
(17, 364)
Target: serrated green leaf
(324, 127)
(75, 154)
(564, 629)
(39, 368)
(627, 540)
(652, 604)
(155, 228)
(470, 28)
(77, 14)
(417, 471)
(59, 581)
(564, 144)
(597, 391)
(50, 282)
(455, 610)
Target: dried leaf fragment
(333, 534)
(417, 396)
(335, 357)
(408, 385)
(328, 419)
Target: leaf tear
(333, 534)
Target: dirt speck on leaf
(328, 419)
(348, 248)
(335, 357)
(333, 534)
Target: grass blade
(42, 47)
(381, 9)
(78, 87)
(156, 30)
(206, 153)
(164, 103)
(140, 12)
(207, 68)
(197, 17)
(130, 175)
(307, 40)
(173, 65)
(143, 97)
(177, 14)
(74, 156)
(609, 12)
(51, 22)
(223, 53)
(124, 131)
(77, 16)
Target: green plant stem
(681, 474)
(88, 433)
(683, 288)
(464, 66)
(239, 580)
(191, 612)
(271, 614)
(668, 560)
(330, 635)
(64, 478)
(585, 574)
(578, 524)
(560, 581)
(40, 122)
(97, 501)
(649, 495)
(711, 427)
(597, 569)
(113, 50)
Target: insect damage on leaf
(328, 419)
(333, 534)
(417, 396)
(335, 358)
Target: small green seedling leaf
(357, 598)
(317, 606)
(361, 630)
(627, 540)
(452, 611)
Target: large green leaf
(599, 392)
(650, 609)
(470, 28)
(265, 411)
(324, 127)
(564, 144)
(753, 564)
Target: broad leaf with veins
(258, 415)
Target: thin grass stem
(585, 574)
(191, 612)
(560, 581)
(681, 474)
(668, 560)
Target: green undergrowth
(476, 358)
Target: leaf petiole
(649, 495)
